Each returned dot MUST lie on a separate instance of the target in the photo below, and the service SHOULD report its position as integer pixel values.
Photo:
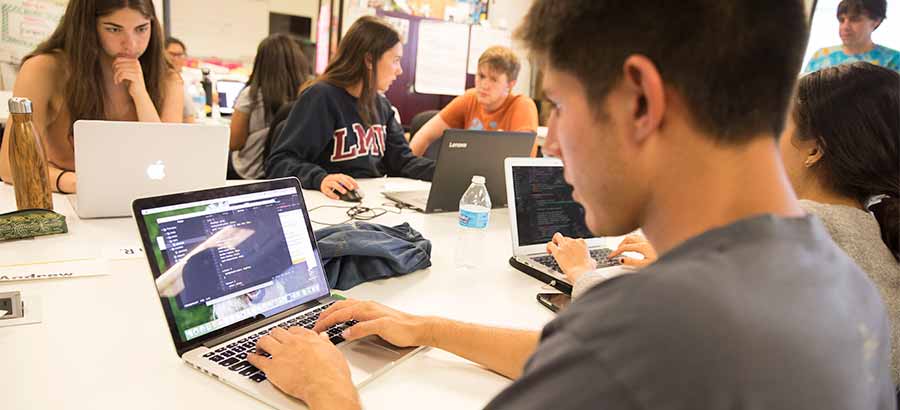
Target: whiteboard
(25, 24)
(824, 29)
(441, 58)
(481, 39)
(229, 29)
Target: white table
(103, 342)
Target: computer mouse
(352, 195)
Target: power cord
(354, 213)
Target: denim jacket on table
(360, 252)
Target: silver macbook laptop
(230, 264)
(464, 153)
(541, 204)
(116, 162)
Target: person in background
(858, 18)
(751, 305)
(840, 148)
(177, 52)
(104, 61)
(490, 106)
(279, 69)
(341, 128)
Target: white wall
(231, 29)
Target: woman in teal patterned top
(858, 18)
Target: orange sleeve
(454, 114)
(523, 115)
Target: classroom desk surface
(103, 342)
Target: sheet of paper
(53, 270)
(123, 251)
(441, 58)
(481, 39)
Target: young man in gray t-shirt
(666, 116)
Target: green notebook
(28, 223)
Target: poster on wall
(26, 23)
(441, 58)
(481, 39)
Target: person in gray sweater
(840, 150)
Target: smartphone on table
(554, 301)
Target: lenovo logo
(459, 144)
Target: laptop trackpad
(370, 356)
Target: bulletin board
(25, 24)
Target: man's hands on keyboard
(571, 256)
(308, 366)
(235, 355)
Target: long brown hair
(368, 37)
(76, 39)
(279, 69)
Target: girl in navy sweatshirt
(341, 127)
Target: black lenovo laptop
(464, 153)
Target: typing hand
(398, 328)
(572, 255)
(337, 182)
(128, 70)
(635, 243)
(308, 367)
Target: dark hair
(279, 69)
(734, 62)
(368, 37)
(875, 9)
(173, 40)
(852, 111)
(75, 38)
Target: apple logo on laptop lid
(156, 170)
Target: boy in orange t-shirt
(490, 106)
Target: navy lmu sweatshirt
(324, 134)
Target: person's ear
(644, 88)
(813, 155)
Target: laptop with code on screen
(229, 265)
(540, 205)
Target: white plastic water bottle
(199, 101)
(474, 216)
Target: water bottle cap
(478, 179)
(19, 105)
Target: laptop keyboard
(234, 355)
(600, 255)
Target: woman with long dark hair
(104, 61)
(279, 69)
(342, 128)
(841, 150)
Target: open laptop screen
(544, 205)
(227, 259)
(228, 92)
